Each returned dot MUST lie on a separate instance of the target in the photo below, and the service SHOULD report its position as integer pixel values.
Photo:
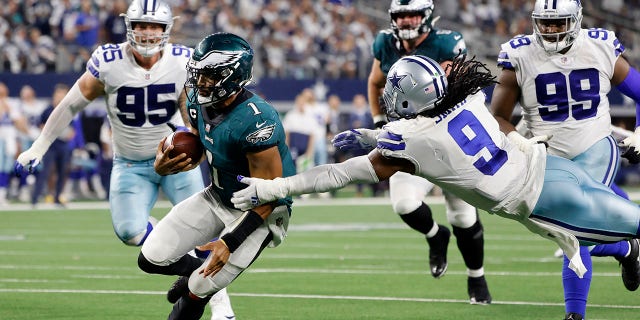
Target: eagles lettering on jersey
(440, 45)
(139, 101)
(563, 93)
(250, 124)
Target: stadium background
(323, 45)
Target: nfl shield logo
(147, 76)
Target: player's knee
(406, 205)
(135, 238)
(144, 264)
(202, 287)
(462, 217)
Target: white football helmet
(422, 7)
(567, 13)
(150, 11)
(414, 85)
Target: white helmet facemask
(148, 11)
(565, 15)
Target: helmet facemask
(210, 85)
(423, 8)
(144, 11)
(567, 19)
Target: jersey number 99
(555, 91)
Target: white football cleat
(221, 306)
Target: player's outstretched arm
(627, 80)
(317, 179)
(79, 96)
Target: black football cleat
(188, 308)
(573, 316)
(179, 288)
(630, 267)
(438, 245)
(478, 291)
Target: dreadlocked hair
(466, 77)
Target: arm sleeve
(63, 114)
(327, 177)
(630, 88)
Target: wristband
(248, 225)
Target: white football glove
(525, 144)
(259, 191)
(632, 143)
(356, 139)
(28, 160)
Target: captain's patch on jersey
(261, 135)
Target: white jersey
(465, 153)
(565, 95)
(140, 102)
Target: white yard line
(311, 296)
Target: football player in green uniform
(412, 33)
(241, 133)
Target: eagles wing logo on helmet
(217, 58)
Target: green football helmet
(221, 65)
(419, 7)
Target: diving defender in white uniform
(449, 137)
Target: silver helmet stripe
(149, 7)
(433, 70)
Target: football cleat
(478, 291)
(179, 288)
(438, 245)
(221, 306)
(630, 266)
(573, 316)
(188, 308)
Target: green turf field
(339, 262)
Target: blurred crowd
(76, 166)
(302, 39)
(295, 39)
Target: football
(184, 142)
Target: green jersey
(440, 45)
(250, 124)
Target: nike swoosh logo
(260, 125)
(457, 37)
